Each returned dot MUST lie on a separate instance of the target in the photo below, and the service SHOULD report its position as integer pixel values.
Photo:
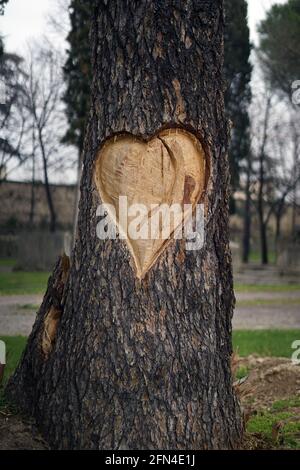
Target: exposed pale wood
(168, 169)
(49, 331)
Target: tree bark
(114, 361)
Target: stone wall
(15, 200)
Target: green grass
(14, 347)
(7, 262)
(275, 343)
(242, 372)
(255, 257)
(282, 405)
(267, 302)
(29, 307)
(266, 287)
(16, 283)
(283, 415)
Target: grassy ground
(268, 302)
(279, 426)
(17, 283)
(255, 257)
(272, 343)
(20, 282)
(266, 287)
(7, 262)
(14, 348)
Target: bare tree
(247, 210)
(275, 170)
(286, 173)
(12, 113)
(59, 19)
(260, 186)
(43, 90)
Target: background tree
(2, 6)
(279, 45)
(275, 164)
(237, 69)
(279, 56)
(115, 361)
(77, 72)
(45, 118)
(12, 115)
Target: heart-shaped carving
(168, 169)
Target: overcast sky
(24, 20)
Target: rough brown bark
(143, 363)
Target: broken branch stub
(166, 170)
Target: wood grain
(168, 169)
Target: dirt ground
(269, 380)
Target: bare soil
(17, 433)
(270, 379)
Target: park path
(17, 312)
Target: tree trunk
(32, 195)
(263, 243)
(261, 221)
(278, 216)
(122, 360)
(77, 197)
(32, 192)
(52, 213)
(247, 215)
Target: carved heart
(168, 169)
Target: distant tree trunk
(263, 223)
(263, 241)
(32, 203)
(247, 215)
(294, 213)
(52, 213)
(32, 192)
(295, 189)
(278, 216)
(117, 361)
